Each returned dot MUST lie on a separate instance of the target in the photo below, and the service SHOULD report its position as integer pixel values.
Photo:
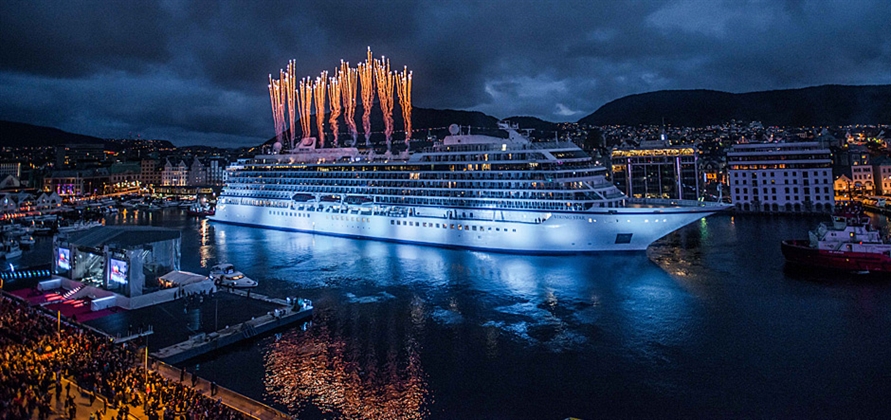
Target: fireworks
(403, 88)
(288, 85)
(304, 106)
(319, 89)
(292, 99)
(385, 81)
(348, 79)
(334, 99)
(278, 110)
(366, 75)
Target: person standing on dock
(182, 374)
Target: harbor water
(709, 322)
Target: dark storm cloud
(196, 71)
(77, 38)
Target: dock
(285, 314)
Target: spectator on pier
(33, 356)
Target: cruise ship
(472, 191)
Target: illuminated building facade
(781, 177)
(882, 170)
(174, 175)
(78, 183)
(657, 170)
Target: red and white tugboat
(850, 243)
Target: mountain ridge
(810, 106)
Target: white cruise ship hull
(623, 229)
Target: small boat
(26, 241)
(11, 250)
(200, 209)
(79, 225)
(225, 275)
(850, 243)
(43, 230)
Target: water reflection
(709, 317)
(343, 375)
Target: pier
(202, 343)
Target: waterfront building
(844, 187)
(8, 203)
(11, 168)
(197, 174)
(77, 183)
(781, 177)
(174, 175)
(149, 173)
(48, 201)
(861, 171)
(124, 176)
(882, 170)
(9, 182)
(216, 171)
(656, 170)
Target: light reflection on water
(708, 321)
(346, 376)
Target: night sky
(195, 72)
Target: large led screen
(117, 271)
(64, 261)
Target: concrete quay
(204, 343)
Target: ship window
(497, 229)
(623, 238)
(425, 224)
(452, 226)
(474, 228)
(392, 222)
(515, 230)
(437, 225)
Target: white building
(174, 175)
(882, 170)
(216, 171)
(781, 177)
(197, 173)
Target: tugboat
(225, 275)
(850, 243)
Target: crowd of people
(35, 355)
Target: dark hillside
(813, 106)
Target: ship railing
(551, 144)
(672, 202)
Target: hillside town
(758, 169)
